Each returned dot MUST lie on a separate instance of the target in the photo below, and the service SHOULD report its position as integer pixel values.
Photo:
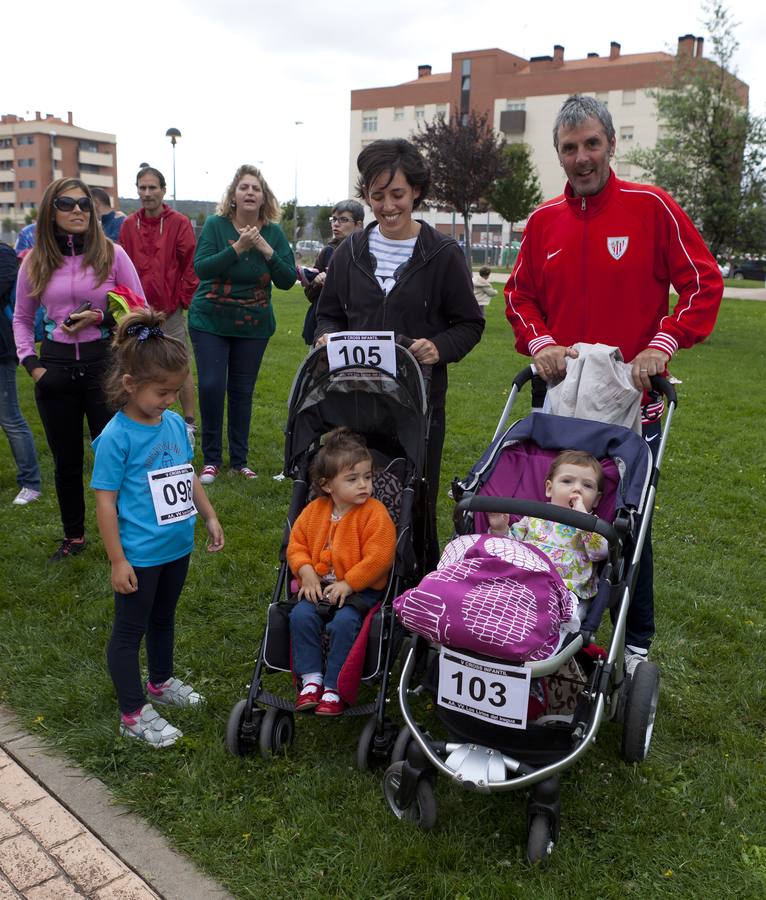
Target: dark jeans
(149, 611)
(66, 394)
(16, 430)
(226, 367)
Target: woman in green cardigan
(240, 253)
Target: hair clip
(144, 332)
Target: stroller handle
(660, 384)
(425, 370)
(517, 506)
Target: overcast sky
(235, 75)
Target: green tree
(515, 194)
(710, 152)
(8, 225)
(466, 157)
(322, 222)
(288, 223)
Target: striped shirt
(389, 257)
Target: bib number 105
(375, 349)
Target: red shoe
(308, 699)
(330, 707)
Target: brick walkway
(48, 854)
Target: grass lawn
(690, 822)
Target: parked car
(752, 269)
(308, 248)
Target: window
(87, 167)
(23, 139)
(369, 121)
(6, 163)
(420, 113)
(89, 146)
(27, 185)
(628, 97)
(516, 104)
(6, 142)
(465, 89)
(26, 163)
(603, 97)
(626, 133)
(398, 113)
(441, 110)
(623, 169)
(7, 186)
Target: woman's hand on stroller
(311, 586)
(337, 592)
(424, 351)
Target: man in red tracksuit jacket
(596, 265)
(160, 242)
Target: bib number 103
(496, 692)
(375, 349)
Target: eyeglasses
(340, 220)
(67, 204)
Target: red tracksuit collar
(592, 205)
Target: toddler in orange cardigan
(341, 548)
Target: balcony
(57, 154)
(7, 196)
(513, 121)
(6, 153)
(93, 180)
(95, 159)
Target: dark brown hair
(146, 353)
(390, 157)
(342, 449)
(46, 257)
(577, 458)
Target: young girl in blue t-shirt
(147, 497)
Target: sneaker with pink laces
(25, 496)
(208, 474)
(243, 470)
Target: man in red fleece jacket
(161, 245)
(596, 265)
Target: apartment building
(33, 152)
(522, 97)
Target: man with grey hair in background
(596, 265)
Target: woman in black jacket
(402, 275)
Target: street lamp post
(295, 195)
(173, 134)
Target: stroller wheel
(403, 739)
(540, 840)
(422, 810)
(277, 732)
(237, 743)
(370, 753)
(640, 712)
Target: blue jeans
(306, 626)
(17, 431)
(226, 367)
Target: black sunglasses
(67, 204)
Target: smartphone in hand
(83, 307)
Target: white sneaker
(25, 496)
(633, 659)
(150, 727)
(174, 693)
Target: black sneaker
(69, 547)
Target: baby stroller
(486, 749)
(392, 414)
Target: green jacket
(234, 294)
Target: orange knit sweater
(362, 543)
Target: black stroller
(484, 753)
(392, 414)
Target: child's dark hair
(342, 449)
(143, 351)
(577, 458)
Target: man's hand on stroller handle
(550, 362)
(648, 362)
(424, 351)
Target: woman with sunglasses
(69, 272)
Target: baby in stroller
(341, 548)
(575, 480)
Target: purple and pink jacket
(70, 285)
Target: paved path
(62, 838)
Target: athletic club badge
(617, 246)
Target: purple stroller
(479, 700)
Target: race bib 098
(171, 490)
